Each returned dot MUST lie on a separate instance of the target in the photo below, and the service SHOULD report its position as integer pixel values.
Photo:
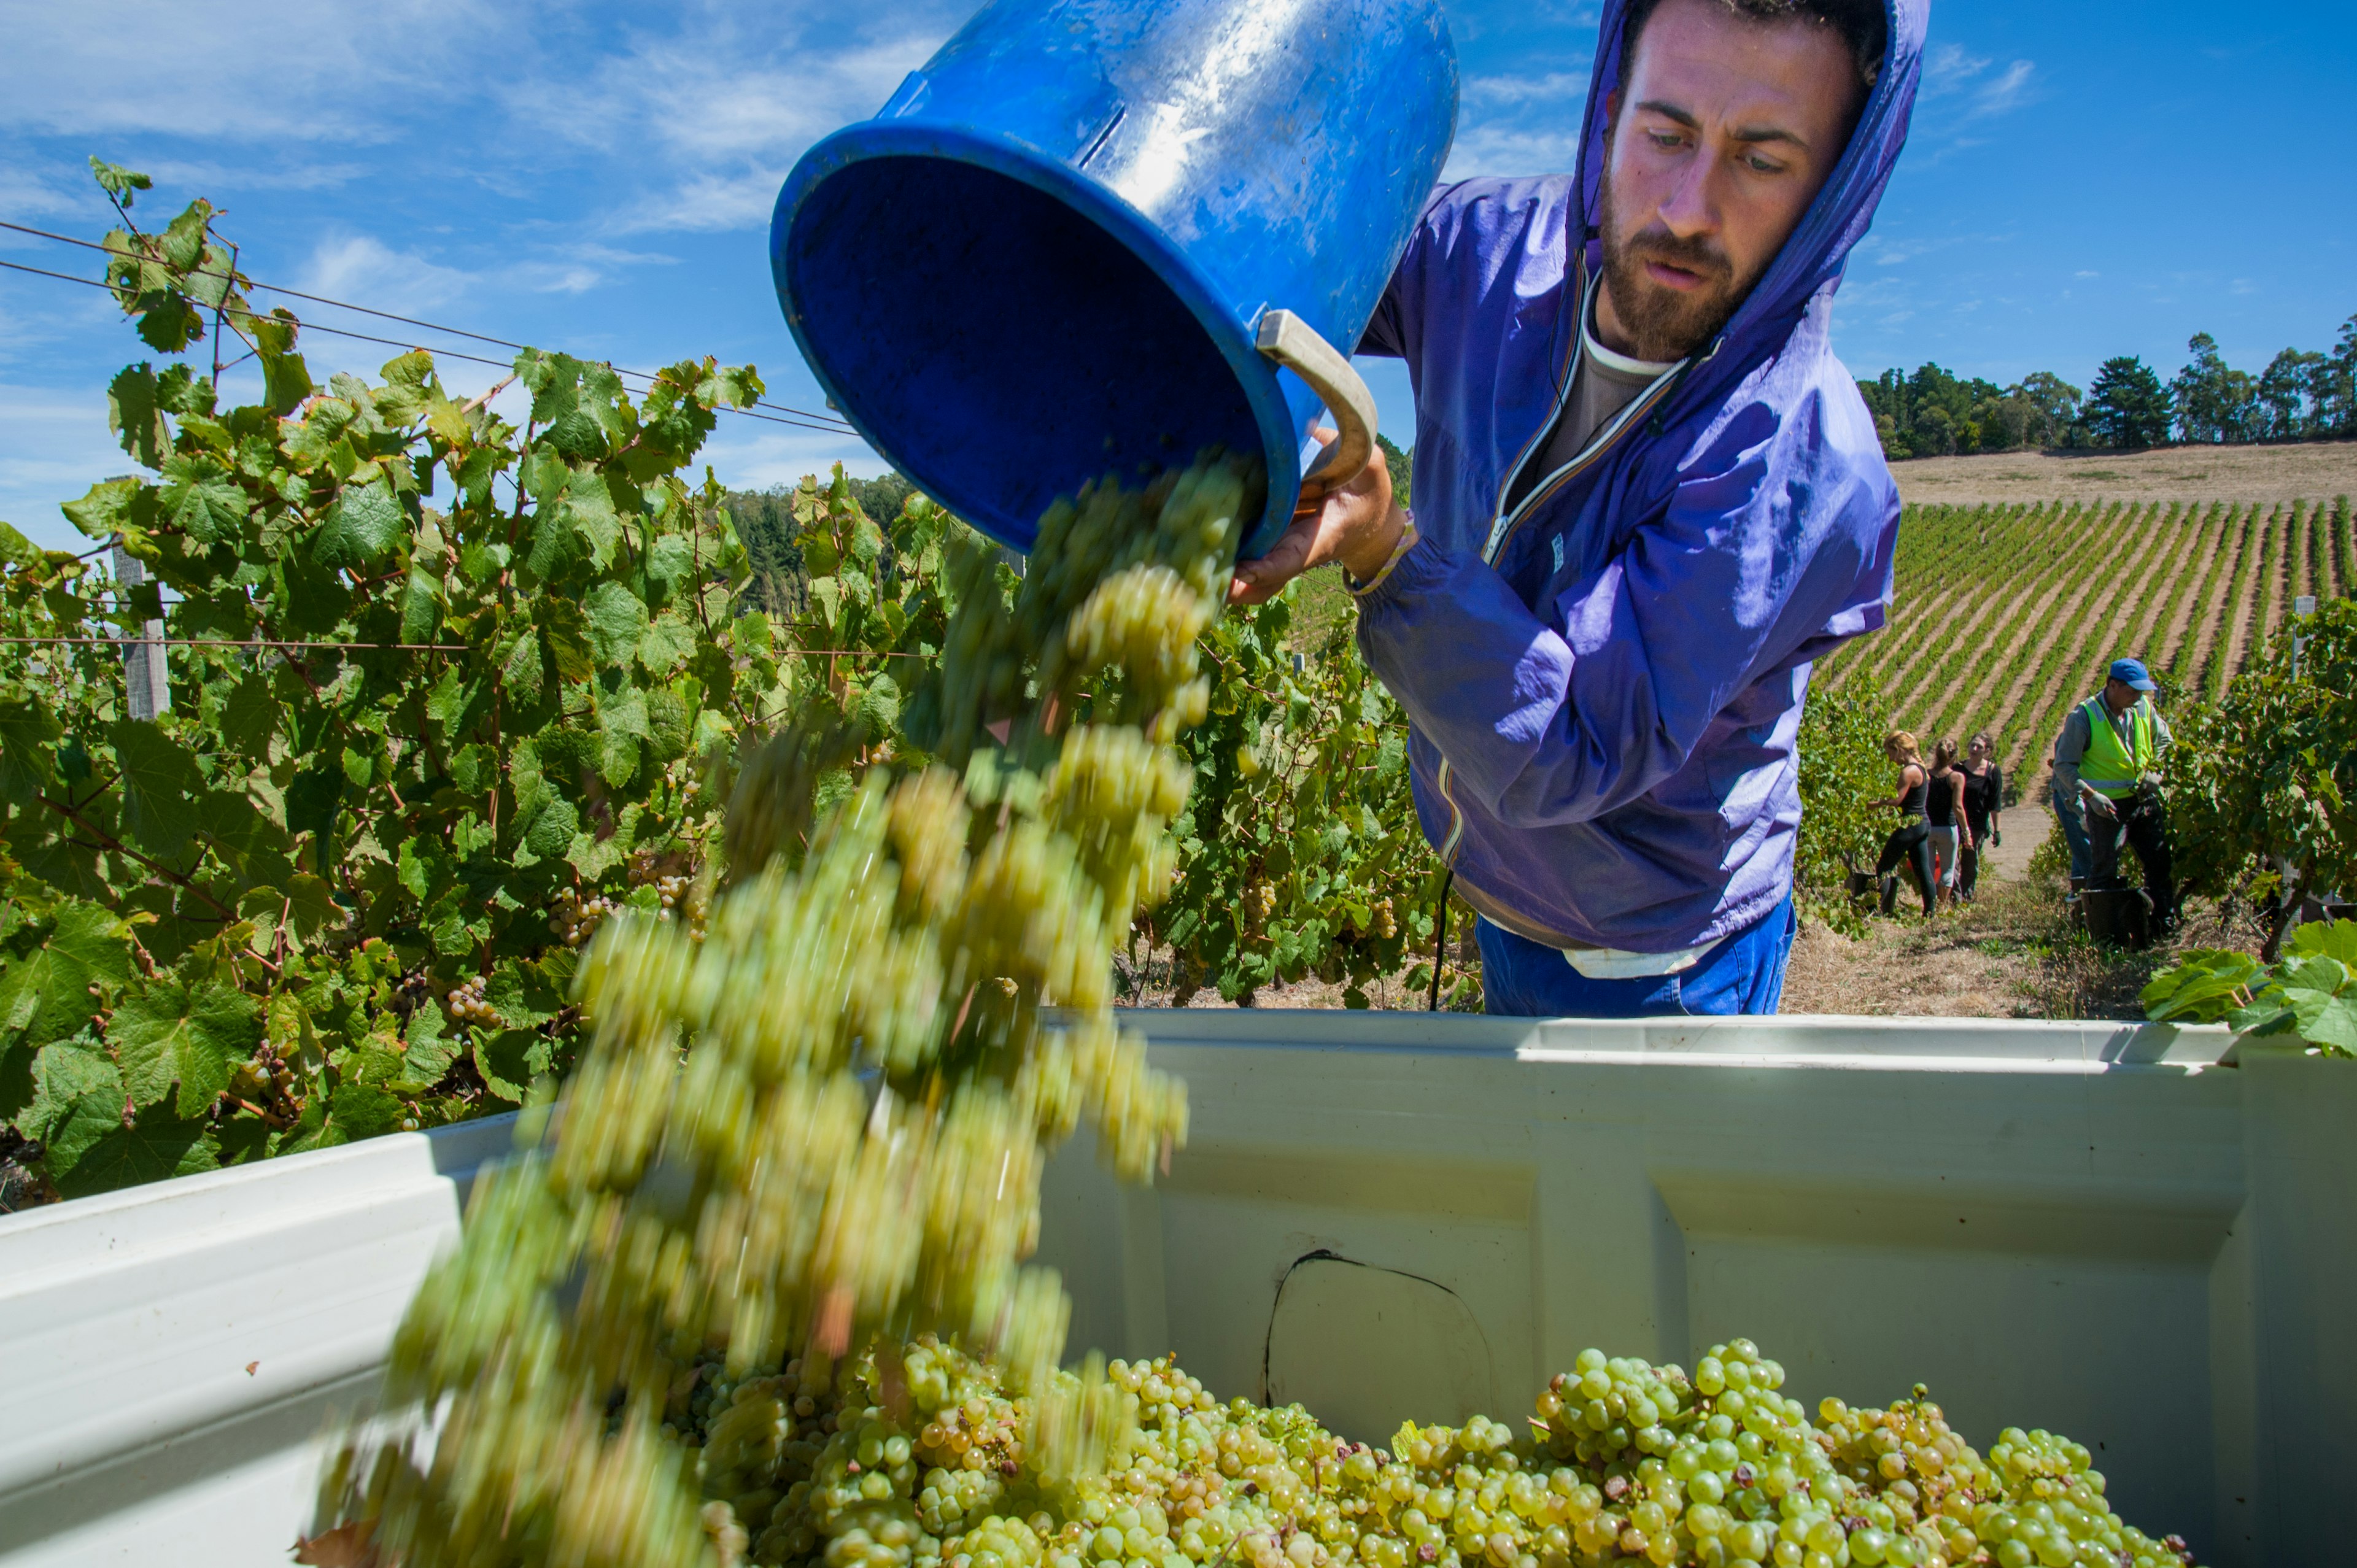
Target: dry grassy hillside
(2007, 611)
(2314, 469)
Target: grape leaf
(131, 413)
(569, 637)
(363, 527)
(158, 781)
(204, 499)
(504, 1058)
(77, 1100)
(617, 621)
(29, 737)
(552, 830)
(156, 1147)
(169, 1032)
(365, 1111)
(2327, 939)
(46, 989)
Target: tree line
(2304, 394)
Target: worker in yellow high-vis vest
(2108, 761)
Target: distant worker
(2064, 798)
(1944, 811)
(1649, 501)
(1910, 842)
(2108, 762)
(1983, 811)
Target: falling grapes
(816, 1111)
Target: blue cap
(2133, 671)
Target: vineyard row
(2003, 611)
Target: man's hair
(1861, 24)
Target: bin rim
(1230, 332)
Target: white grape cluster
(574, 919)
(829, 1118)
(675, 889)
(468, 1005)
(931, 1463)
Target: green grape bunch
(922, 1456)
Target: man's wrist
(1363, 556)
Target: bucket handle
(1295, 344)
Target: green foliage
(2127, 407)
(2310, 995)
(1402, 464)
(1934, 413)
(2302, 395)
(1299, 851)
(2214, 402)
(2262, 785)
(1844, 776)
(447, 684)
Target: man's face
(2120, 694)
(1723, 131)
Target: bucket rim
(1231, 332)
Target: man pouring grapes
(1649, 499)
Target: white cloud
(30, 193)
(1519, 123)
(242, 69)
(209, 177)
(709, 202)
(1947, 68)
(1504, 150)
(2007, 93)
(365, 269)
(1949, 71)
(58, 443)
(1561, 91)
(717, 122)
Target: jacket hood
(1810, 265)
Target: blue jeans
(1744, 974)
(2074, 832)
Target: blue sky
(2084, 179)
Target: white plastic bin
(2093, 1228)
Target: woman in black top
(1984, 800)
(1944, 809)
(1911, 840)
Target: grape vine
(441, 691)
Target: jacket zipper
(1503, 526)
(1546, 426)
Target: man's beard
(1665, 323)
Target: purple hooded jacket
(1605, 685)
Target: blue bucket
(1061, 247)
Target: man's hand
(1357, 525)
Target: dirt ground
(2312, 470)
